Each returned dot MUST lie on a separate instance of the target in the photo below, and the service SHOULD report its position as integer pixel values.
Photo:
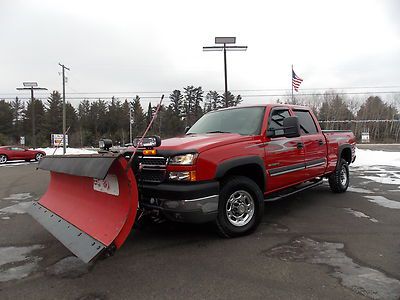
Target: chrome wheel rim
(3, 159)
(39, 156)
(343, 176)
(240, 208)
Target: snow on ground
(70, 151)
(376, 158)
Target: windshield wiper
(218, 131)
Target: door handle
(300, 145)
(320, 142)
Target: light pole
(224, 41)
(64, 110)
(130, 124)
(32, 86)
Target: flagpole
(292, 85)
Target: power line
(237, 90)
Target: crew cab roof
(266, 105)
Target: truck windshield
(245, 121)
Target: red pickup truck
(223, 170)
(233, 160)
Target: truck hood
(201, 142)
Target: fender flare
(229, 164)
(340, 151)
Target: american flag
(296, 81)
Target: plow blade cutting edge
(90, 204)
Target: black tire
(3, 159)
(340, 179)
(250, 192)
(38, 156)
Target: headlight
(186, 159)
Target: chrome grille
(152, 168)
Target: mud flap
(90, 204)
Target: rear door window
(307, 124)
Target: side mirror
(187, 128)
(291, 127)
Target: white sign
(365, 137)
(22, 140)
(108, 185)
(57, 140)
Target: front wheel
(38, 156)
(3, 159)
(241, 207)
(339, 180)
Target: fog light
(183, 176)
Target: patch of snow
(19, 272)
(376, 158)
(359, 190)
(383, 180)
(363, 280)
(360, 214)
(15, 254)
(19, 208)
(70, 151)
(19, 197)
(16, 163)
(385, 202)
(15, 262)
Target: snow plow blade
(90, 204)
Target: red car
(19, 153)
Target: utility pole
(64, 110)
(224, 41)
(130, 124)
(32, 86)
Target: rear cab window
(306, 121)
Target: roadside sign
(365, 137)
(57, 140)
(22, 140)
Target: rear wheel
(339, 180)
(38, 156)
(241, 207)
(3, 159)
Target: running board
(280, 195)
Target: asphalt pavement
(314, 245)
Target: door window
(307, 124)
(276, 121)
(17, 149)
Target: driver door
(284, 157)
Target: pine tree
(177, 102)
(213, 101)
(139, 119)
(53, 119)
(17, 107)
(42, 136)
(6, 121)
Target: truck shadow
(171, 234)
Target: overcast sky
(128, 46)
